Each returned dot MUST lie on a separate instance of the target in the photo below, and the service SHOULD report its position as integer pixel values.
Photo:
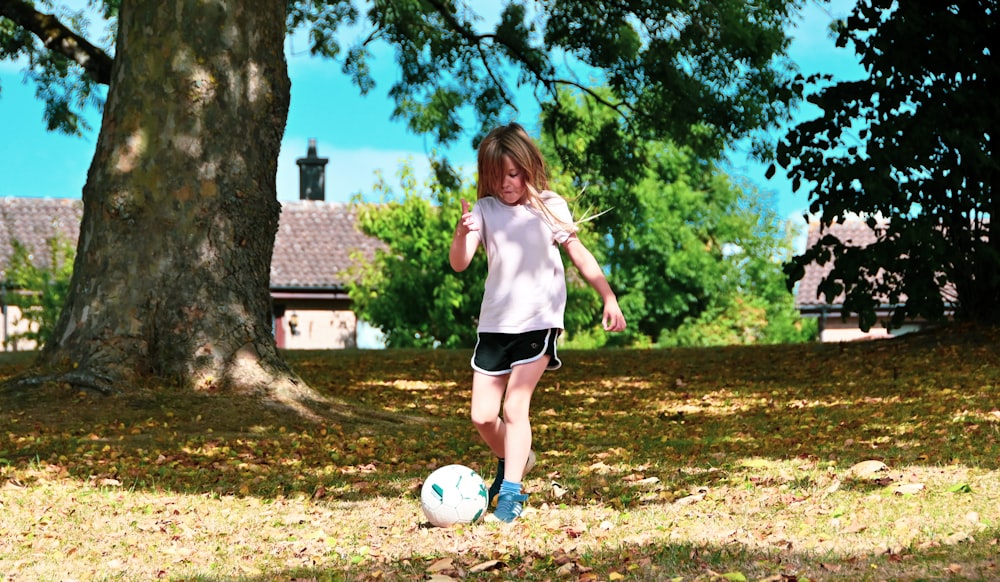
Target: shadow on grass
(618, 429)
(975, 560)
(687, 417)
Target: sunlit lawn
(685, 464)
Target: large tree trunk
(180, 206)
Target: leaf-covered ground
(868, 461)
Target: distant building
(312, 250)
(832, 326)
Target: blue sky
(354, 132)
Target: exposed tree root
(295, 395)
(282, 391)
(78, 379)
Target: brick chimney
(312, 174)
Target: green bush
(39, 291)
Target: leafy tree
(409, 291)
(703, 255)
(913, 144)
(39, 290)
(180, 208)
(695, 292)
(690, 253)
(698, 261)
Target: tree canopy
(685, 246)
(704, 74)
(409, 291)
(180, 208)
(910, 150)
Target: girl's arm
(585, 262)
(465, 241)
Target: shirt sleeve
(557, 205)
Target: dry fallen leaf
(440, 564)
(957, 538)
(566, 569)
(487, 566)
(908, 488)
(869, 468)
(690, 499)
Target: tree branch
(548, 82)
(58, 38)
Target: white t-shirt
(526, 284)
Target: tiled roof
(314, 244)
(852, 233)
(312, 248)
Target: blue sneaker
(509, 506)
(495, 486)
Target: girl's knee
(515, 414)
(480, 418)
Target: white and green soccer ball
(453, 494)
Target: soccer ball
(453, 494)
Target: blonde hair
(513, 141)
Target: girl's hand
(467, 222)
(463, 244)
(614, 319)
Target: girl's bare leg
(520, 387)
(487, 395)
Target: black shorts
(497, 353)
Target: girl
(520, 224)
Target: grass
(686, 464)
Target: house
(832, 326)
(312, 249)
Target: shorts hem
(550, 344)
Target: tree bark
(180, 206)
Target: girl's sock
(510, 502)
(510, 487)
